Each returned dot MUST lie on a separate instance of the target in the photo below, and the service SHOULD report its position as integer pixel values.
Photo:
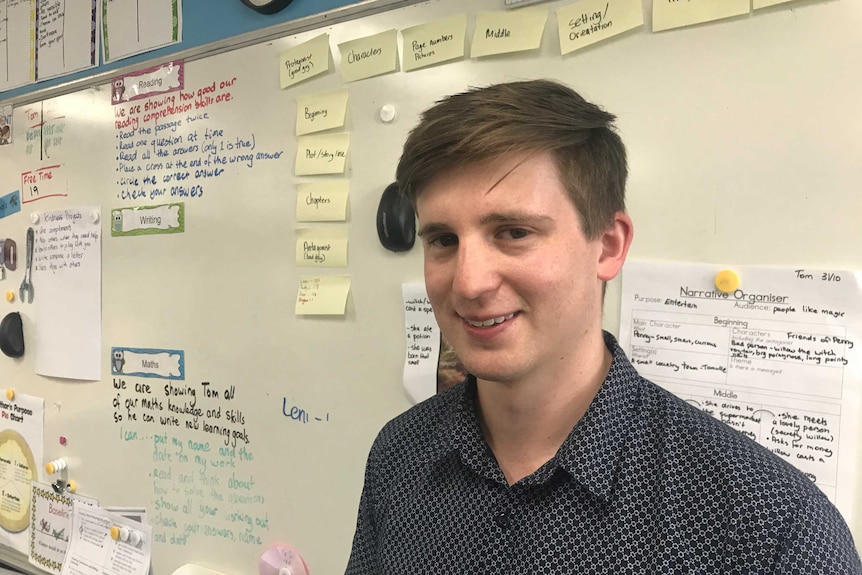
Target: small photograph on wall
(5, 125)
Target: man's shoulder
(421, 430)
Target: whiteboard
(744, 148)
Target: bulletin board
(743, 139)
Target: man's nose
(476, 270)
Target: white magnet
(94, 217)
(124, 533)
(387, 113)
(134, 538)
(34, 218)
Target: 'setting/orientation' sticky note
(304, 61)
(508, 31)
(590, 21)
(434, 42)
(667, 14)
(369, 56)
(320, 112)
(322, 154)
(322, 201)
(322, 295)
(321, 247)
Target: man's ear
(615, 243)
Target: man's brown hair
(483, 124)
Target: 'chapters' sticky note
(322, 201)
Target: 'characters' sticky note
(667, 14)
(321, 247)
(304, 61)
(369, 56)
(322, 295)
(320, 112)
(591, 21)
(434, 42)
(321, 154)
(322, 201)
(508, 31)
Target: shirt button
(501, 519)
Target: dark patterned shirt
(645, 483)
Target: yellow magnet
(10, 296)
(115, 533)
(49, 467)
(10, 394)
(726, 281)
(73, 487)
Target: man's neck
(526, 422)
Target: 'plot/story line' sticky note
(321, 154)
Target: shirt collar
(590, 454)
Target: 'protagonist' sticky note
(667, 14)
(322, 154)
(590, 21)
(320, 112)
(322, 201)
(434, 42)
(369, 56)
(304, 61)
(508, 31)
(321, 247)
(322, 295)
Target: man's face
(516, 287)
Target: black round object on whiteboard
(267, 6)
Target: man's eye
(517, 233)
(444, 241)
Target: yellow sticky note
(322, 154)
(508, 31)
(322, 295)
(369, 56)
(322, 201)
(320, 112)
(766, 3)
(434, 42)
(321, 247)
(590, 21)
(667, 14)
(304, 61)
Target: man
(554, 456)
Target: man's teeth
(490, 322)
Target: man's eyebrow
(432, 227)
(515, 217)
